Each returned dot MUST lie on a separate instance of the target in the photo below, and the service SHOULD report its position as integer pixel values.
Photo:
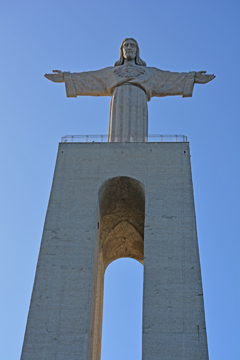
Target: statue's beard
(129, 56)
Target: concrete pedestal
(95, 215)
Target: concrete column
(173, 313)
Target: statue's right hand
(58, 77)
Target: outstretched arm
(202, 78)
(58, 77)
(86, 83)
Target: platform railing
(106, 138)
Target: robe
(130, 88)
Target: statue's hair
(138, 60)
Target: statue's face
(129, 49)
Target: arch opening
(122, 310)
(120, 234)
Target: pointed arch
(119, 233)
(123, 240)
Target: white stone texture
(64, 320)
(128, 118)
(130, 87)
(131, 84)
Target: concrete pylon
(112, 200)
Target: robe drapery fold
(128, 115)
(130, 88)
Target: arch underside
(123, 240)
(121, 219)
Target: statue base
(105, 194)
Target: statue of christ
(131, 84)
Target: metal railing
(106, 138)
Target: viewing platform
(106, 138)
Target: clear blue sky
(38, 36)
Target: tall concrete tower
(127, 197)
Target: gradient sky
(37, 37)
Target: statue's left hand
(58, 77)
(202, 78)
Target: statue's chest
(129, 71)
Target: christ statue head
(129, 49)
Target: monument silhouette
(127, 197)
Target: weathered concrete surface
(64, 320)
